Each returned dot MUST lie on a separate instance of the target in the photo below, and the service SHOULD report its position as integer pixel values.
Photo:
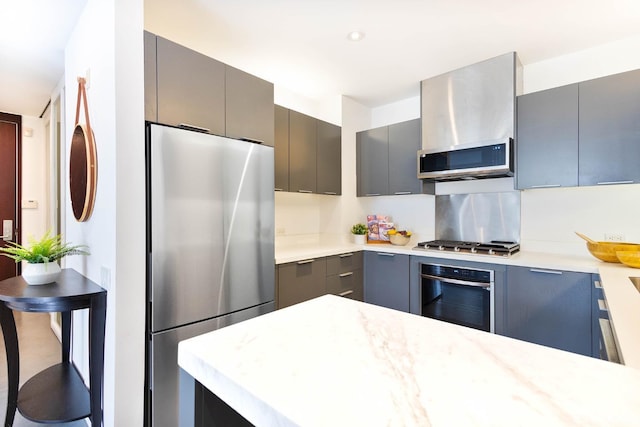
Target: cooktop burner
(495, 247)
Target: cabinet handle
(330, 193)
(400, 193)
(537, 270)
(597, 284)
(255, 141)
(345, 293)
(194, 127)
(346, 255)
(278, 189)
(602, 305)
(614, 182)
(305, 191)
(346, 274)
(306, 261)
(372, 194)
(385, 254)
(609, 341)
(546, 186)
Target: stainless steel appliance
(468, 120)
(495, 247)
(478, 160)
(210, 247)
(464, 296)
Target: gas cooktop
(495, 247)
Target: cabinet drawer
(301, 281)
(347, 284)
(344, 263)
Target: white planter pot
(359, 239)
(41, 274)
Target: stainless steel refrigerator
(210, 248)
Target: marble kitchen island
(337, 362)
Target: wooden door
(10, 140)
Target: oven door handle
(456, 281)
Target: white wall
(115, 232)
(550, 216)
(34, 177)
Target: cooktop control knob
(474, 250)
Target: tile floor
(39, 348)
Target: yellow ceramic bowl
(606, 251)
(630, 258)
(398, 239)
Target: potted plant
(41, 257)
(359, 232)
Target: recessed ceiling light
(355, 36)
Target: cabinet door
(191, 89)
(404, 143)
(329, 158)
(372, 156)
(386, 280)
(281, 148)
(150, 94)
(249, 107)
(301, 281)
(302, 153)
(610, 129)
(547, 140)
(549, 307)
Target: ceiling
(302, 45)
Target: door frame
(17, 226)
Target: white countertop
(337, 362)
(622, 298)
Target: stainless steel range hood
(468, 116)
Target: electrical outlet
(280, 231)
(614, 237)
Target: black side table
(57, 394)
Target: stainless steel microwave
(487, 159)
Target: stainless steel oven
(460, 295)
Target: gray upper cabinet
(150, 82)
(547, 139)
(372, 167)
(386, 280)
(329, 158)
(386, 160)
(404, 143)
(302, 153)
(549, 307)
(191, 88)
(281, 148)
(249, 107)
(610, 129)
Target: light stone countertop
(622, 298)
(332, 361)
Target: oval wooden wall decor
(83, 162)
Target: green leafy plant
(359, 229)
(47, 249)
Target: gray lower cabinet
(301, 281)
(386, 280)
(549, 307)
(328, 158)
(190, 88)
(610, 129)
(547, 139)
(302, 153)
(150, 81)
(386, 160)
(281, 148)
(249, 107)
